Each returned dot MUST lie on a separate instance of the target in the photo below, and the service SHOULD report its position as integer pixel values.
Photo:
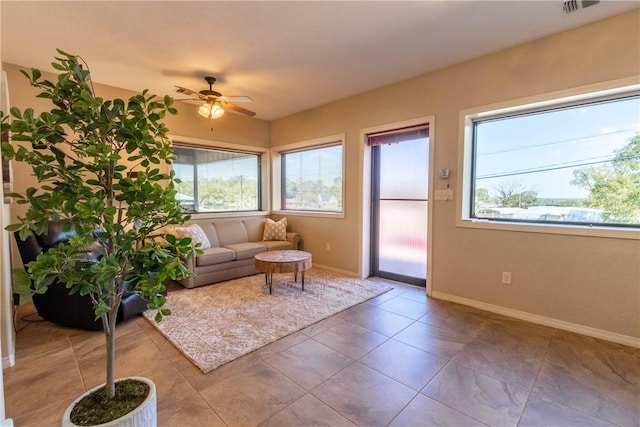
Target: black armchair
(56, 305)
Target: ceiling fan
(214, 102)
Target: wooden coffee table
(289, 261)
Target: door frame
(365, 199)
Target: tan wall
(589, 281)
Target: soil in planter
(96, 409)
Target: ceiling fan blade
(189, 92)
(237, 98)
(237, 109)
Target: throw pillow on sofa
(196, 233)
(275, 230)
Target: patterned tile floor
(400, 359)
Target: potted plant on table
(98, 164)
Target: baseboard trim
(337, 270)
(8, 361)
(542, 320)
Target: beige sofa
(234, 242)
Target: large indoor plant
(103, 166)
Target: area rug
(213, 325)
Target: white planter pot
(144, 415)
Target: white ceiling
(288, 56)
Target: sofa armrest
(294, 238)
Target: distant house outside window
(311, 178)
(572, 164)
(215, 180)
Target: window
(575, 163)
(311, 178)
(215, 180)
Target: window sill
(608, 232)
(226, 214)
(317, 214)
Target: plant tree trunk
(110, 336)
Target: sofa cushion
(230, 232)
(255, 228)
(212, 256)
(275, 230)
(247, 250)
(210, 231)
(278, 245)
(195, 232)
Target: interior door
(400, 161)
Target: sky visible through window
(539, 152)
(313, 179)
(324, 164)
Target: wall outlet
(327, 247)
(506, 277)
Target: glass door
(399, 206)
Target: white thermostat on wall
(444, 173)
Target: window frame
(277, 154)
(263, 174)
(583, 94)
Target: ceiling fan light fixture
(204, 110)
(210, 110)
(216, 111)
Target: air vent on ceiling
(573, 5)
